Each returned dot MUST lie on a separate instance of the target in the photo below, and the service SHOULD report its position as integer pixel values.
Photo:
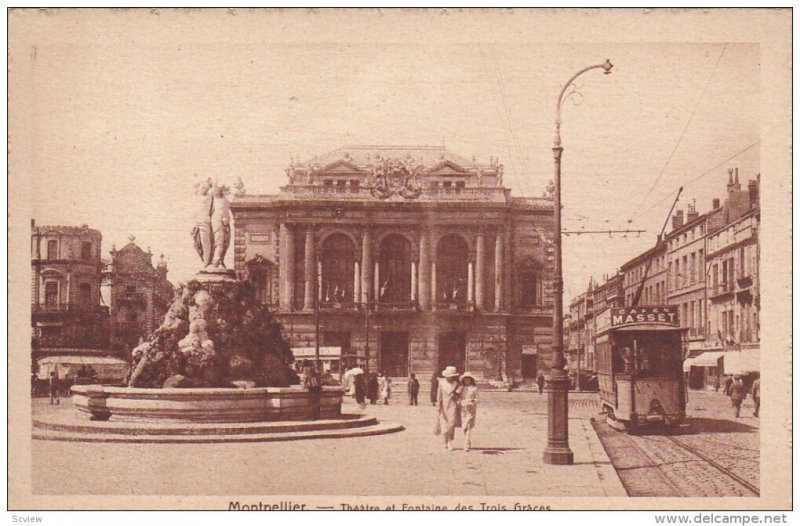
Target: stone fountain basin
(258, 404)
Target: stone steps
(72, 426)
(141, 427)
(73, 436)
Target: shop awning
(104, 366)
(746, 361)
(687, 364)
(325, 353)
(706, 359)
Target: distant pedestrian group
(736, 389)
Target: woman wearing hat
(449, 416)
(469, 406)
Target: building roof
(641, 258)
(365, 154)
(63, 229)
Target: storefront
(704, 370)
(329, 356)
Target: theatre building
(419, 259)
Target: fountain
(217, 369)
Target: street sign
(661, 315)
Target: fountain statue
(215, 333)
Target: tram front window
(647, 356)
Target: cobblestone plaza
(505, 460)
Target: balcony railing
(720, 290)
(458, 306)
(337, 305)
(488, 193)
(38, 342)
(55, 308)
(396, 305)
(132, 297)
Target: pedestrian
(448, 412)
(468, 398)
(756, 390)
(716, 383)
(540, 382)
(372, 388)
(54, 388)
(313, 382)
(434, 387)
(413, 389)
(386, 387)
(361, 389)
(728, 383)
(737, 394)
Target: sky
(124, 127)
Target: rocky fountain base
(217, 369)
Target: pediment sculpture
(395, 177)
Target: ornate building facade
(139, 295)
(67, 317)
(418, 258)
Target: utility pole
(316, 315)
(558, 450)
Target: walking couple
(457, 405)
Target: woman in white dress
(448, 415)
(468, 399)
(386, 387)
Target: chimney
(692, 214)
(677, 219)
(733, 181)
(715, 203)
(752, 189)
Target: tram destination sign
(661, 315)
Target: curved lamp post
(558, 451)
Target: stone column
(356, 282)
(413, 280)
(69, 280)
(376, 294)
(310, 271)
(499, 247)
(480, 269)
(470, 286)
(433, 285)
(287, 268)
(366, 267)
(425, 271)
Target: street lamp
(557, 450)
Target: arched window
(530, 285)
(261, 273)
(394, 270)
(451, 270)
(338, 260)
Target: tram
(640, 367)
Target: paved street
(506, 460)
(654, 465)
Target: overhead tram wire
(509, 117)
(520, 178)
(690, 181)
(683, 132)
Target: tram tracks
(666, 466)
(722, 469)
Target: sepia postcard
(399, 259)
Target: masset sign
(663, 315)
